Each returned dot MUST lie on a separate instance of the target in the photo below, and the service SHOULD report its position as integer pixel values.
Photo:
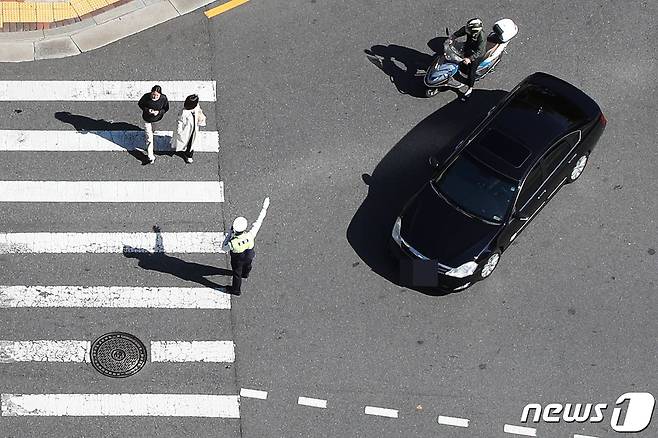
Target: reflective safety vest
(241, 243)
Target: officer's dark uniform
(242, 254)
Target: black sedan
(538, 138)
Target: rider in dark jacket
(474, 49)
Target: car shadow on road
(131, 134)
(402, 172)
(159, 261)
(404, 66)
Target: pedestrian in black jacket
(474, 49)
(154, 105)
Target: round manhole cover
(118, 354)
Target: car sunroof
(506, 148)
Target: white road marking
(192, 351)
(44, 351)
(83, 405)
(313, 402)
(518, 430)
(382, 412)
(253, 393)
(96, 141)
(111, 191)
(92, 91)
(113, 297)
(100, 243)
(453, 421)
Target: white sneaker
(152, 159)
(468, 91)
(189, 160)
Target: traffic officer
(241, 246)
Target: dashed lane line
(253, 393)
(96, 141)
(102, 405)
(381, 412)
(93, 91)
(104, 243)
(313, 402)
(224, 7)
(112, 191)
(453, 421)
(518, 430)
(113, 297)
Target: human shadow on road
(123, 134)
(402, 172)
(404, 66)
(158, 260)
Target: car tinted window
(552, 160)
(530, 186)
(476, 189)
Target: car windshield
(476, 189)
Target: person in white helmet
(474, 49)
(240, 243)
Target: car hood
(441, 232)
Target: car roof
(539, 111)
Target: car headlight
(463, 271)
(396, 230)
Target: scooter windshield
(453, 51)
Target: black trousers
(241, 265)
(470, 70)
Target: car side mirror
(434, 162)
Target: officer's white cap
(240, 224)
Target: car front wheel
(578, 168)
(490, 265)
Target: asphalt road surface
(318, 108)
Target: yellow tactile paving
(10, 12)
(28, 12)
(63, 11)
(45, 12)
(82, 7)
(97, 4)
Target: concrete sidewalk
(71, 27)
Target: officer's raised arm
(256, 225)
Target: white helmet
(240, 224)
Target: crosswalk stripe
(112, 191)
(79, 351)
(113, 297)
(44, 351)
(101, 243)
(92, 91)
(82, 405)
(97, 141)
(192, 351)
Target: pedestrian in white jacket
(189, 120)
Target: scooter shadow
(402, 172)
(405, 66)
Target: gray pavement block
(17, 51)
(30, 35)
(118, 11)
(55, 48)
(186, 6)
(69, 28)
(121, 27)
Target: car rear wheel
(490, 265)
(578, 168)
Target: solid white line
(113, 297)
(382, 412)
(313, 402)
(96, 141)
(453, 421)
(253, 393)
(101, 243)
(111, 191)
(192, 351)
(91, 91)
(582, 436)
(83, 405)
(518, 430)
(44, 351)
